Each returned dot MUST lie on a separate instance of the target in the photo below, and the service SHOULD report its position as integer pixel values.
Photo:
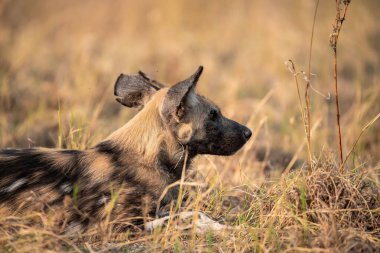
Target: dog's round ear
(180, 96)
(135, 90)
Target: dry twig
(334, 44)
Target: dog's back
(36, 172)
(79, 184)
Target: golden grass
(58, 63)
(323, 210)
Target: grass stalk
(293, 70)
(183, 175)
(337, 106)
(368, 125)
(60, 126)
(305, 111)
(339, 19)
(307, 90)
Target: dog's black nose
(247, 134)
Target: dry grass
(58, 63)
(324, 210)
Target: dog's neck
(153, 145)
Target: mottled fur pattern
(122, 177)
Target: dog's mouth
(225, 150)
(223, 145)
(214, 148)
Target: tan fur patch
(145, 131)
(100, 166)
(185, 132)
(59, 159)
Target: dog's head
(193, 120)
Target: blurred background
(59, 61)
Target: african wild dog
(137, 161)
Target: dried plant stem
(292, 69)
(305, 110)
(296, 154)
(374, 119)
(183, 175)
(334, 44)
(337, 106)
(307, 90)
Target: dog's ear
(180, 96)
(135, 90)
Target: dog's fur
(123, 176)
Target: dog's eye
(213, 114)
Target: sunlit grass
(58, 65)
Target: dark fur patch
(36, 169)
(112, 150)
(172, 168)
(121, 170)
